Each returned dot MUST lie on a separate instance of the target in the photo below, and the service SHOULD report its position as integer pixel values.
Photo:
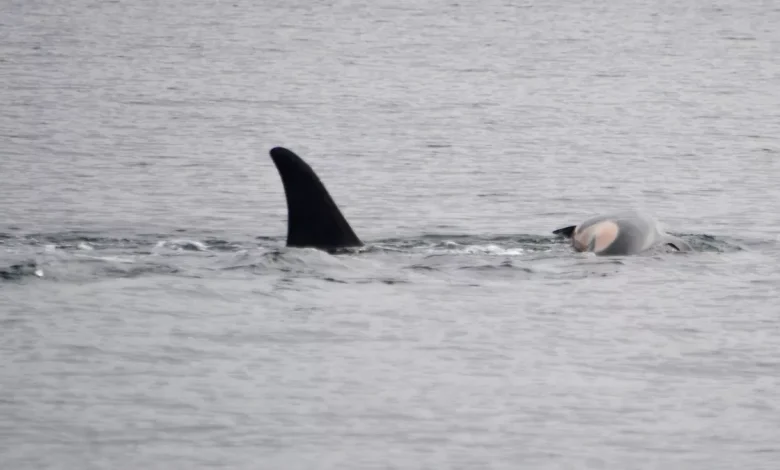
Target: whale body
(623, 233)
(315, 221)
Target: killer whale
(313, 218)
(315, 221)
(623, 233)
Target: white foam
(191, 245)
(494, 250)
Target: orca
(623, 233)
(313, 218)
(315, 221)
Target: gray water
(151, 316)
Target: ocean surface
(151, 316)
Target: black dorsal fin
(565, 231)
(313, 218)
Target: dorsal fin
(313, 218)
(565, 231)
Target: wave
(77, 256)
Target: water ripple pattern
(151, 316)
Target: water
(152, 317)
